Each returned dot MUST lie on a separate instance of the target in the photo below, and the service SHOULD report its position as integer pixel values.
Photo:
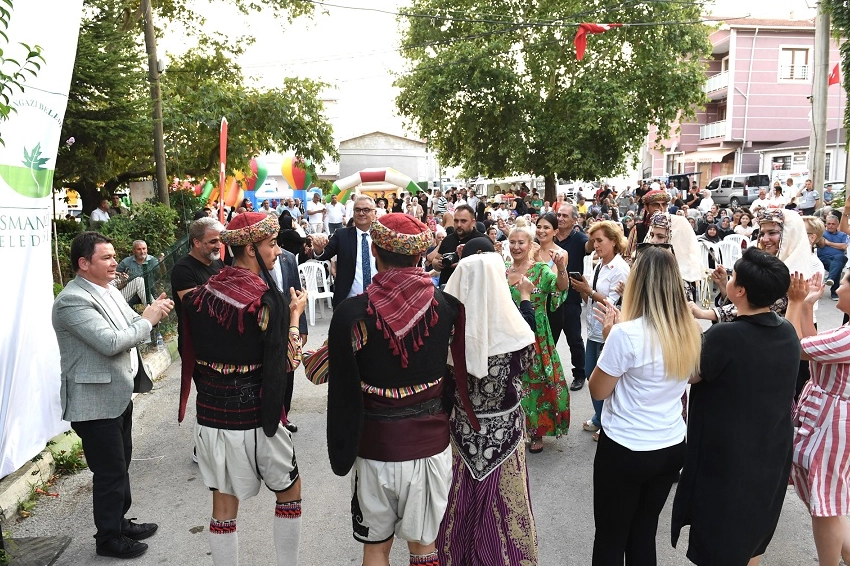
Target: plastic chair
(743, 241)
(313, 275)
(705, 248)
(730, 252)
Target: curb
(17, 486)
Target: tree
(108, 110)
(13, 72)
(497, 89)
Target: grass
(69, 462)
(65, 462)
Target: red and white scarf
(232, 292)
(400, 299)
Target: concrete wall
(379, 150)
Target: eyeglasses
(364, 210)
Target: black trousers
(108, 446)
(287, 393)
(568, 319)
(629, 492)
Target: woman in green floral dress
(546, 396)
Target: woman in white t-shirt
(641, 374)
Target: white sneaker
(589, 426)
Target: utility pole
(156, 98)
(817, 140)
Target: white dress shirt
(98, 215)
(357, 284)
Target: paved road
(167, 489)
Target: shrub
(152, 222)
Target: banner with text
(30, 412)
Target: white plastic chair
(313, 275)
(737, 238)
(705, 247)
(730, 252)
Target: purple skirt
(489, 522)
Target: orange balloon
(232, 191)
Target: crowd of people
(441, 366)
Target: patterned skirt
(489, 522)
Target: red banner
(222, 157)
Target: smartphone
(575, 275)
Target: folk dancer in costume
(387, 421)
(489, 469)
(654, 201)
(242, 340)
(665, 228)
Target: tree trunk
(549, 188)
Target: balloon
(296, 171)
(231, 195)
(207, 190)
(260, 172)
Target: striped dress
(821, 470)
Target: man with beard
(194, 269)
(465, 230)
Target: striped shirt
(821, 470)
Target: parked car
(737, 190)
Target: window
(724, 64)
(782, 163)
(794, 64)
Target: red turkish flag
(581, 35)
(834, 76)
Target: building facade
(758, 88)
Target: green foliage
(57, 288)
(152, 222)
(109, 107)
(508, 96)
(14, 71)
(69, 462)
(203, 86)
(185, 204)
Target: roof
(803, 143)
(383, 134)
(766, 23)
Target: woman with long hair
(641, 374)
(546, 396)
(819, 470)
(610, 244)
(745, 225)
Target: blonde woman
(641, 374)
(610, 244)
(546, 397)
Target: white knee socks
(224, 542)
(287, 532)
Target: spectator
(725, 227)
(778, 200)
(739, 428)
(707, 203)
(334, 215)
(827, 195)
(745, 226)
(832, 251)
(808, 199)
(316, 214)
(642, 443)
(819, 472)
(117, 207)
(141, 265)
(265, 207)
(101, 213)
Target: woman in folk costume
(654, 201)
(241, 340)
(489, 520)
(782, 233)
(675, 230)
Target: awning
(707, 156)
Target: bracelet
(562, 272)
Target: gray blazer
(97, 381)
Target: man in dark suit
(285, 274)
(98, 335)
(352, 247)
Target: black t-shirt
(188, 273)
(450, 244)
(574, 244)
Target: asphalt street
(167, 489)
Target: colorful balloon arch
(344, 188)
(297, 173)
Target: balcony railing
(717, 82)
(794, 72)
(712, 130)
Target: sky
(356, 53)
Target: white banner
(30, 413)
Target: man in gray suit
(98, 336)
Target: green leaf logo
(32, 180)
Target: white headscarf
(685, 246)
(794, 248)
(494, 325)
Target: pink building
(758, 84)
